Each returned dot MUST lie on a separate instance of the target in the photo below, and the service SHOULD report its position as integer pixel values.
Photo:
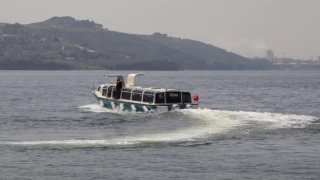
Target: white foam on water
(94, 108)
(68, 143)
(99, 109)
(209, 123)
(269, 120)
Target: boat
(143, 99)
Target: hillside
(215, 58)
(67, 43)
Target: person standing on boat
(118, 88)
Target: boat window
(186, 97)
(98, 88)
(126, 94)
(173, 97)
(109, 91)
(138, 91)
(114, 93)
(104, 92)
(127, 89)
(148, 97)
(136, 96)
(160, 98)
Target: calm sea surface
(250, 125)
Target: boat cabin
(146, 95)
(139, 94)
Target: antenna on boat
(115, 75)
(112, 75)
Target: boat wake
(209, 123)
(98, 109)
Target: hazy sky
(247, 27)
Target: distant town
(290, 63)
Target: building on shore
(1, 33)
(270, 55)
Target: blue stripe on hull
(107, 103)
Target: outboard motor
(195, 98)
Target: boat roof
(131, 83)
(153, 89)
(130, 79)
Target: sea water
(249, 125)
